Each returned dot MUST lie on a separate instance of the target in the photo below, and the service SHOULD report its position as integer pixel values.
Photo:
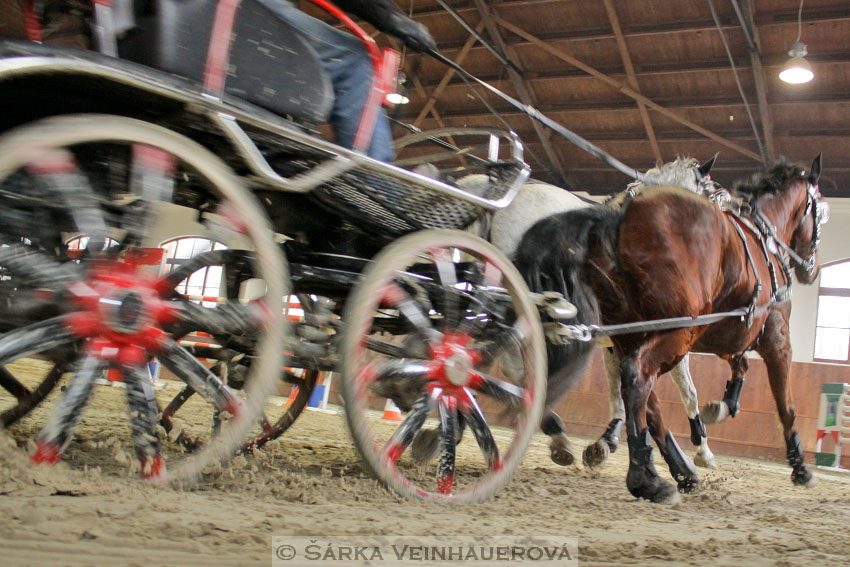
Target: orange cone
(391, 411)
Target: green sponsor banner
(832, 388)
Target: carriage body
(235, 145)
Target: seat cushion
(269, 66)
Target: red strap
(32, 25)
(218, 53)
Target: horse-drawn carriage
(106, 148)
(187, 127)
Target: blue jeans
(346, 61)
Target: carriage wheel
(110, 179)
(271, 423)
(230, 358)
(441, 323)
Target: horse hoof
(714, 412)
(802, 476)
(688, 485)
(705, 461)
(595, 454)
(561, 454)
(425, 445)
(651, 488)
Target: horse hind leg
(681, 375)
(597, 453)
(560, 448)
(717, 411)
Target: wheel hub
(124, 311)
(457, 367)
(121, 304)
(453, 362)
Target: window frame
(169, 262)
(830, 292)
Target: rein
(531, 111)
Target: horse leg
(679, 464)
(642, 479)
(560, 448)
(597, 453)
(774, 346)
(681, 375)
(717, 411)
(426, 443)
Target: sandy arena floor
(310, 482)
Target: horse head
(807, 235)
(787, 205)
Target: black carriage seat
(270, 65)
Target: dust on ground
(92, 509)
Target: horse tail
(551, 257)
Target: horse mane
(678, 172)
(773, 181)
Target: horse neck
(781, 207)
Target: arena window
(203, 285)
(832, 337)
(82, 242)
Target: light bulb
(797, 70)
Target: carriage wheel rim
(358, 323)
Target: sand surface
(92, 509)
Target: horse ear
(816, 169)
(706, 167)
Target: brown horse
(672, 253)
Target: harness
(777, 294)
(771, 245)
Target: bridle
(705, 185)
(818, 210)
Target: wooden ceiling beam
(649, 70)
(525, 93)
(631, 78)
(419, 87)
(690, 136)
(748, 23)
(733, 103)
(666, 28)
(435, 94)
(626, 90)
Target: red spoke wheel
(114, 182)
(442, 324)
